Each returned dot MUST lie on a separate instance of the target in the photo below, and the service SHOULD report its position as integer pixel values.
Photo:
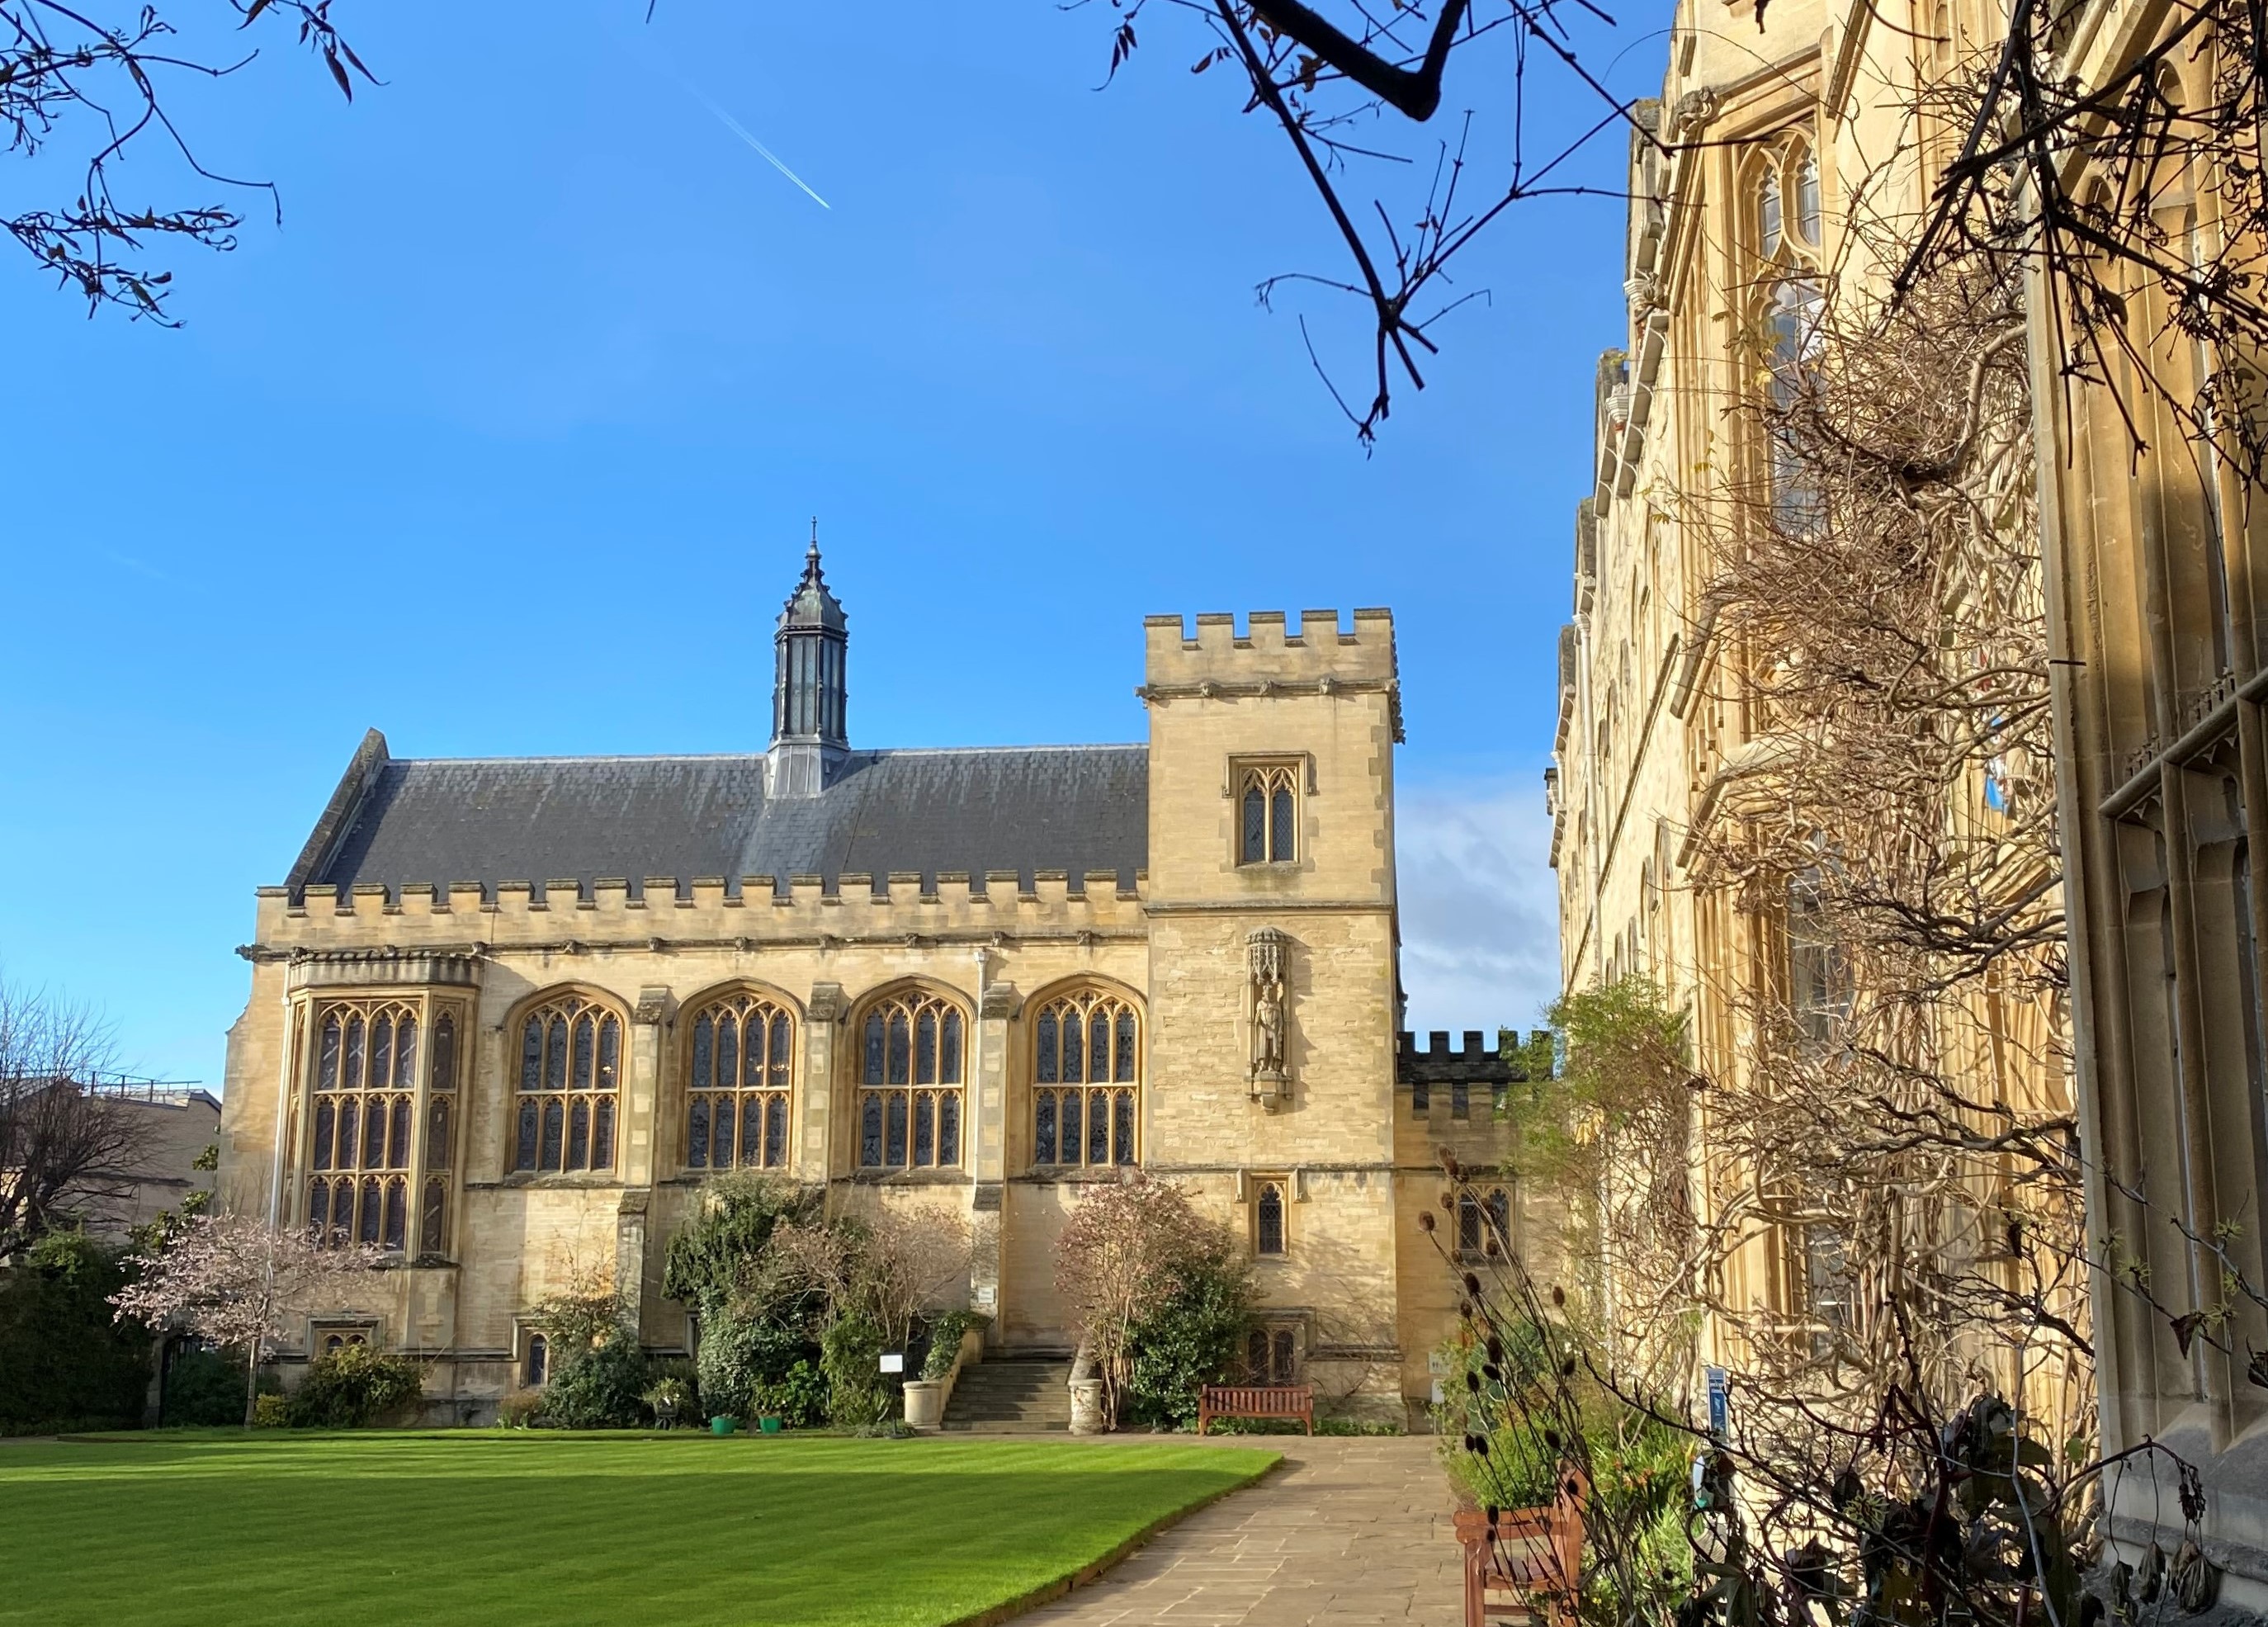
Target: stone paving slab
(1350, 1531)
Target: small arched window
(1267, 1238)
(1086, 1081)
(1268, 804)
(539, 1361)
(909, 1083)
(365, 1090)
(742, 1068)
(1484, 1222)
(571, 1055)
(1808, 221)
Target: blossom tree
(1120, 1255)
(232, 1281)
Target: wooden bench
(1527, 1564)
(1256, 1400)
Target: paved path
(1348, 1532)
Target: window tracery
(365, 1092)
(1086, 1081)
(1268, 805)
(741, 1067)
(571, 1052)
(909, 1083)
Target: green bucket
(721, 1426)
(770, 1426)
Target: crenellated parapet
(1269, 660)
(662, 913)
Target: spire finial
(815, 538)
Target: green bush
(205, 1389)
(271, 1411)
(712, 1255)
(944, 1336)
(741, 1352)
(64, 1362)
(1192, 1340)
(858, 1393)
(601, 1387)
(797, 1398)
(353, 1387)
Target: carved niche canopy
(1269, 1014)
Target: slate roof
(399, 822)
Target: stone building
(2154, 548)
(1784, 151)
(507, 1015)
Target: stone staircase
(1023, 1394)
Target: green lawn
(469, 1527)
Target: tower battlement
(1268, 651)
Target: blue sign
(1720, 1402)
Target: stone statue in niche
(1268, 953)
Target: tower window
(1267, 814)
(1268, 1232)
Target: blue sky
(507, 439)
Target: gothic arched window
(366, 1091)
(1268, 809)
(909, 1083)
(570, 1065)
(1086, 1081)
(741, 1065)
(1268, 1234)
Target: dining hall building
(508, 1014)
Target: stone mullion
(420, 1095)
(987, 1151)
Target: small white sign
(894, 1361)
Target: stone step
(1012, 1393)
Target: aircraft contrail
(766, 154)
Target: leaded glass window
(364, 1110)
(1268, 815)
(1086, 1079)
(910, 1083)
(1484, 1221)
(741, 1067)
(571, 1055)
(1267, 1238)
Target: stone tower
(1273, 940)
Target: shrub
(204, 1389)
(944, 1341)
(271, 1411)
(1190, 1340)
(740, 1352)
(714, 1256)
(798, 1399)
(858, 1393)
(353, 1387)
(64, 1361)
(519, 1410)
(599, 1387)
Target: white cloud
(1480, 912)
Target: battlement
(1478, 1063)
(1269, 651)
(665, 912)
